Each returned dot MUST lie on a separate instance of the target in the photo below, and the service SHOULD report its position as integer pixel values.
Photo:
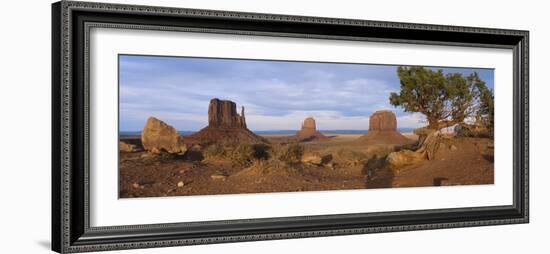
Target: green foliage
(445, 100)
(292, 153)
(486, 114)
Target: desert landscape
(225, 157)
(208, 126)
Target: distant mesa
(225, 125)
(383, 130)
(158, 136)
(309, 131)
(383, 120)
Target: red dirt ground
(144, 175)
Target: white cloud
(275, 97)
(415, 120)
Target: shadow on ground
(377, 174)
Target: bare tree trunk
(428, 141)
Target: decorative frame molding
(71, 22)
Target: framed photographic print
(182, 126)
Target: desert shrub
(292, 153)
(326, 158)
(241, 154)
(351, 157)
(213, 151)
(474, 131)
(261, 151)
(373, 164)
(193, 155)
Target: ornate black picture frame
(71, 231)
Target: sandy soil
(353, 165)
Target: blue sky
(277, 95)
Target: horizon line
(285, 129)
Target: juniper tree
(445, 100)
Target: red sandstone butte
(225, 125)
(309, 131)
(383, 130)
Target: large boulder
(225, 125)
(309, 131)
(383, 130)
(159, 136)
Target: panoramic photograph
(207, 126)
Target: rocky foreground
(225, 157)
(338, 164)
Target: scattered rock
(453, 148)
(135, 185)
(383, 130)
(400, 159)
(312, 158)
(218, 177)
(309, 131)
(350, 157)
(148, 155)
(128, 148)
(157, 136)
(180, 184)
(155, 151)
